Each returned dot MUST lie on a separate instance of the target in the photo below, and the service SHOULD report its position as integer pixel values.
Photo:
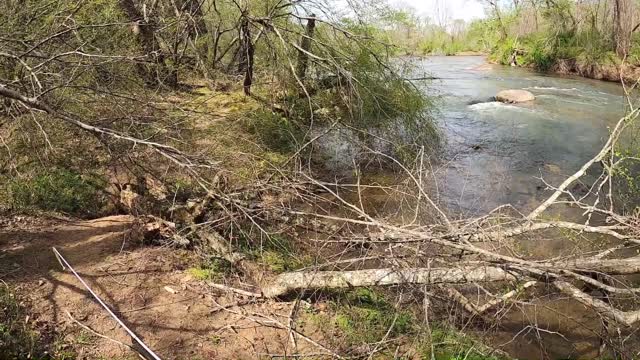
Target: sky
(457, 9)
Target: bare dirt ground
(148, 287)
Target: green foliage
(504, 50)
(17, 339)
(450, 344)
(277, 252)
(358, 85)
(539, 56)
(564, 35)
(275, 131)
(476, 36)
(58, 190)
(213, 269)
(279, 255)
(363, 316)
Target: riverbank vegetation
(595, 39)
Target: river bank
(608, 71)
(605, 71)
(210, 303)
(630, 74)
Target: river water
(499, 153)
(496, 153)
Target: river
(496, 153)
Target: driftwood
(312, 280)
(288, 282)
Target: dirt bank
(607, 72)
(149, 287)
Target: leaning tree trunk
(305, 47)
(145, 30)
(623, 22)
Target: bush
(58, 190)
(503, 51)
(274, 131)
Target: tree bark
(496, 10)
(305, 46)
(292, 281)
(623, 23)
(145, 30)
(245, 65)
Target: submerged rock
(514, 96)
(481, 101)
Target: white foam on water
(493, 105)
(552, 88)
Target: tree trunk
(496, 10)
(145, 31)
(245, 65)
(623, 23)
(314, 280)
(305, 46)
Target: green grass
(58, 189)
(274, 131)
(17, 339)
(277, 252)
(362, 316)
(213, 269)
(450, 344)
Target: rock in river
(514, 96)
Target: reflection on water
(497, 152)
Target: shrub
(274, 131)
(58, 190)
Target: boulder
(514, 96)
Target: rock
(171, 290)
(514, 96)
(481, 101)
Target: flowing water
(497, 152)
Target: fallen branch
(103, 336)
(294, 281)
(608, 146)
(628, 318)
(33, 103)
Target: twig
(135, 337)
